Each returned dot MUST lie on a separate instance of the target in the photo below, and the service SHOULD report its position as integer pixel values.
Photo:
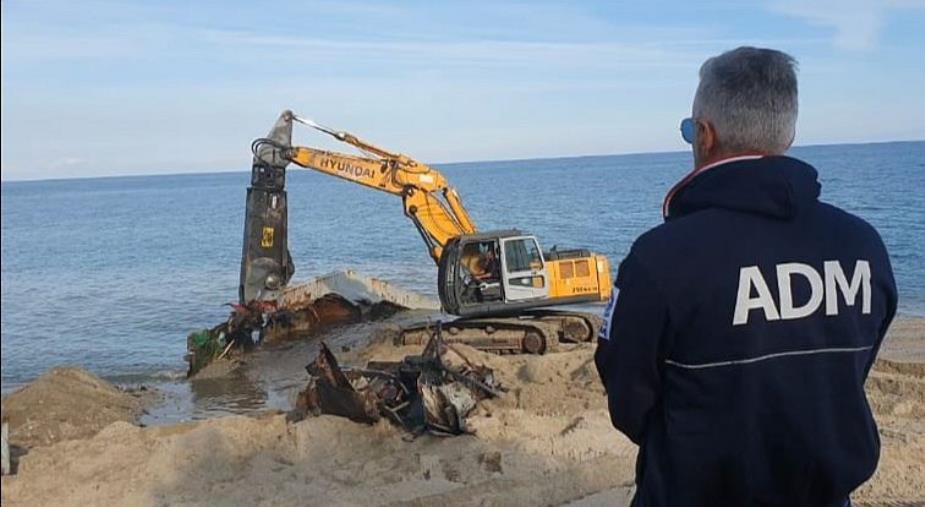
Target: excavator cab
(482, 274)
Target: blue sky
(96, 88)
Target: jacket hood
(774, 186)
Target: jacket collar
(775, 186)
(691, 175)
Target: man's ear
(707, 136)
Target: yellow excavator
(499, 283)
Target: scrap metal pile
(431, 392)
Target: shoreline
(161, 376)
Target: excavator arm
(429, 201)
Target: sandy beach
(547, 441)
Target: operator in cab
(742, 329)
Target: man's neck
(714, 161)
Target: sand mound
(66, 403)
(548, 441)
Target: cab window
(522, 255)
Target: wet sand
(548, 441)
(265, 380)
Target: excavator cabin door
(523, 269)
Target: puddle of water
(269, 379)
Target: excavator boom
(430, 202)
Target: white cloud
(469, 52)
(857, 23)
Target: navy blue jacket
(739, 340)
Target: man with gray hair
(741, 331)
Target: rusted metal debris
(433, 391)
(257, 322)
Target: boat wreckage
(432, 392)
(301, 311)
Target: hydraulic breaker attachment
(266, 265)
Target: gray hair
(749, 95)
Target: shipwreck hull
(301, 311)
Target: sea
(112, 273)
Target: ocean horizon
(446, 164)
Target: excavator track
(573, 327)
(534, 332)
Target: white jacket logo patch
(825, 287)
(604, 332)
